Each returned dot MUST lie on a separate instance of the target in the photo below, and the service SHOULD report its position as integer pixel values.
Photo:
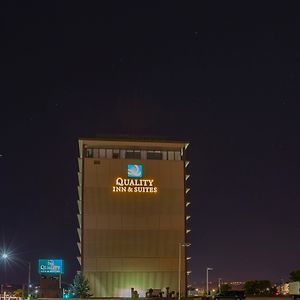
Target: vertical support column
(179, 271)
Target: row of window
(132, 154)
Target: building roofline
(132, 138)
(132, 142)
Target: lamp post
(29, 279)
(219, 285)
(207, 270)
(179, 266)
(4, 257)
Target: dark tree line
(264, 287)
(259, 287)
(295, 275)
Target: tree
(295, 275)
(80, 287)
(250, 288)
(19, 293)
(225, 287)
(258, 287)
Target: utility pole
(207, 269)
(219, 285)
(29, 279)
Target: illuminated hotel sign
(133, 184)
(51, 266)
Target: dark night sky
(222, 75)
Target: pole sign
(51, 266)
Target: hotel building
(132, 215)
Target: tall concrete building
(132, 215)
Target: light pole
(219, 285)
(179, 266)
(207, 270)
(29, 279)
(4, 256)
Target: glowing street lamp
(4, 256)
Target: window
(144, 154)
(154, 155)
(170, 155)
(95, 152)
(164, 155)
(133, 154)
(115, 153)
(122, 154)
(102, 153)
(89, 152)
(108, 153)
(177, 155)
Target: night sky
(222, 75)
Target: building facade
(132, 215)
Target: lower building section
(119, 284)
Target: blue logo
(135, 171)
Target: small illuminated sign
(51, 266)
(135, 171)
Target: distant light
(4, 255)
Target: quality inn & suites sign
(134, 184)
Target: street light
(207, 270)
(4, 256)
(179, 266)
(29, 284)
